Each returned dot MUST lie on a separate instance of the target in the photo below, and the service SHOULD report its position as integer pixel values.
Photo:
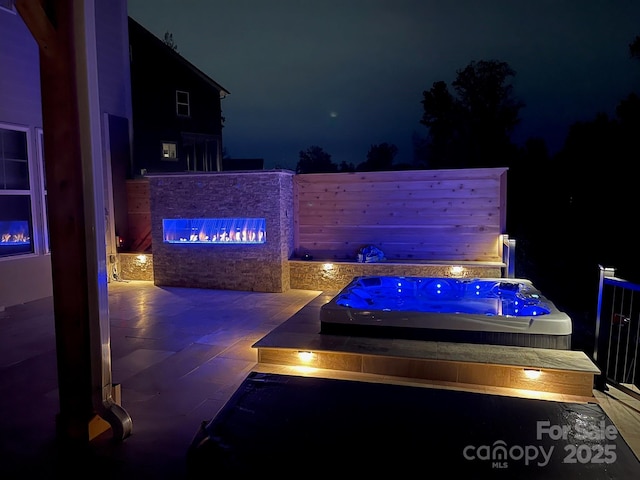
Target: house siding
(28, 277)
(20, 99)
(156, 74)
(22, 278)
(112, 39)
(25, 278)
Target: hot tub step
(537, 376)
(299, 343)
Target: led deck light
(305, 356)
(532, 373)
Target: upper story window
(169, 151)
(182, 103)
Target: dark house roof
(178, 58)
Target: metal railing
(617, 333)
(508, 256)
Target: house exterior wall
(29, 277)
(157, 72)
(20, 100)
(112, 43)
(23, 277)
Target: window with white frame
(182, 103)
(23, 195)
(8, 5)
(169, 151)
(43, 192)
(16, 197)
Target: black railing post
(601, 341)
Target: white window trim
(41, 206)
(8, 6)
(35, 192)
(188, 104)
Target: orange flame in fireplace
(14, 238)
(215, 230)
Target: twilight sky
(349, 74)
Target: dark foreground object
(289, 425)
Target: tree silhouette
(442, 116)
(379, 158)
(472, 128)
(346, 167)
(315, 160)
(168, 41)
(575, 211)
(420, 147)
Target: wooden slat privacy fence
(138, 216)
(417, 215)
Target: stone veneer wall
(257, 194)
(312, 275)
(135, 266)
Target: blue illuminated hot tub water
(498, 310)
(482, 297)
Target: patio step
(298, 343)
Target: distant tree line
(379, 158)
(575, 211)
(469, 129)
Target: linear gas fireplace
(15, 237)
(222, 230)
(214, 231)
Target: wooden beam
(67, 86)
(39, 24)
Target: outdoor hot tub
(498, 311)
